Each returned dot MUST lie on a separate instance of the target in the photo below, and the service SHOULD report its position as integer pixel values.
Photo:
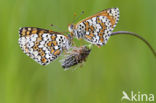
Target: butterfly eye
(71, 27)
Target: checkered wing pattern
(96, 29)
(41, 45)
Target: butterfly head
(71, 27)
(68, 42)
(73, 30)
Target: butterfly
(76, 56)
(96, 29)
(42, 45)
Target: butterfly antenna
(52, 25)
(78, 17)
(64, 32)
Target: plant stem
(136, 35)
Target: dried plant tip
(76, 56)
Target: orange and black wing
(96, 29)
(41, 45)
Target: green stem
(136, 35)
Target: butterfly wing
(41, 45)
(96, 29)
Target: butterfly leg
(99, 46)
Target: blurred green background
(124, 64)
